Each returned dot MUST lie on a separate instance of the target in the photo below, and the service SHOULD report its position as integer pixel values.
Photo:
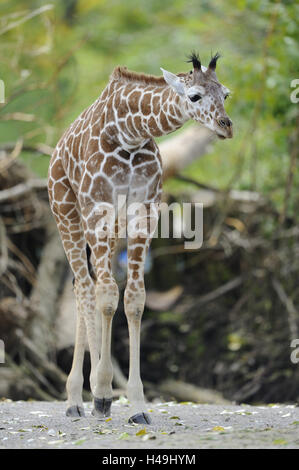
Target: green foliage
(57, 62)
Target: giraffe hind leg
(64, 207)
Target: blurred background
(220, 322)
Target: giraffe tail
(89, 264)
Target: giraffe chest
(134, 170)
(135, 175)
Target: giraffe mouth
(220, 136)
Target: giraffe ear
(172, 80)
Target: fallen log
(182, 391)
(180, 150)
(22, 189)
(47, 289)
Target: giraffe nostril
(224, 122)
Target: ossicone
(195, 60)
(213, 61)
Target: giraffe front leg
(107, 296)
(107, 300)
(134, 300)
(134, 305)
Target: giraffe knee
(134, 301)
(107, 296)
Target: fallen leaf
(80, 441)
(105, 431)
(280, 442)
(122, 400)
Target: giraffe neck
(144, 111)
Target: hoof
(101, 407)
(75, 411)
(140, 418)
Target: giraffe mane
(122, 73)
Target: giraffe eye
(226, 96)
(195, 98)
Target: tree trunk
(182, 149)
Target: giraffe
(107, 152)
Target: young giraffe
(108, 152)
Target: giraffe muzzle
(225, 128)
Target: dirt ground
(43, 425)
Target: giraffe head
(203, 95)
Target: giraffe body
(109, 153)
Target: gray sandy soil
(43, 425)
